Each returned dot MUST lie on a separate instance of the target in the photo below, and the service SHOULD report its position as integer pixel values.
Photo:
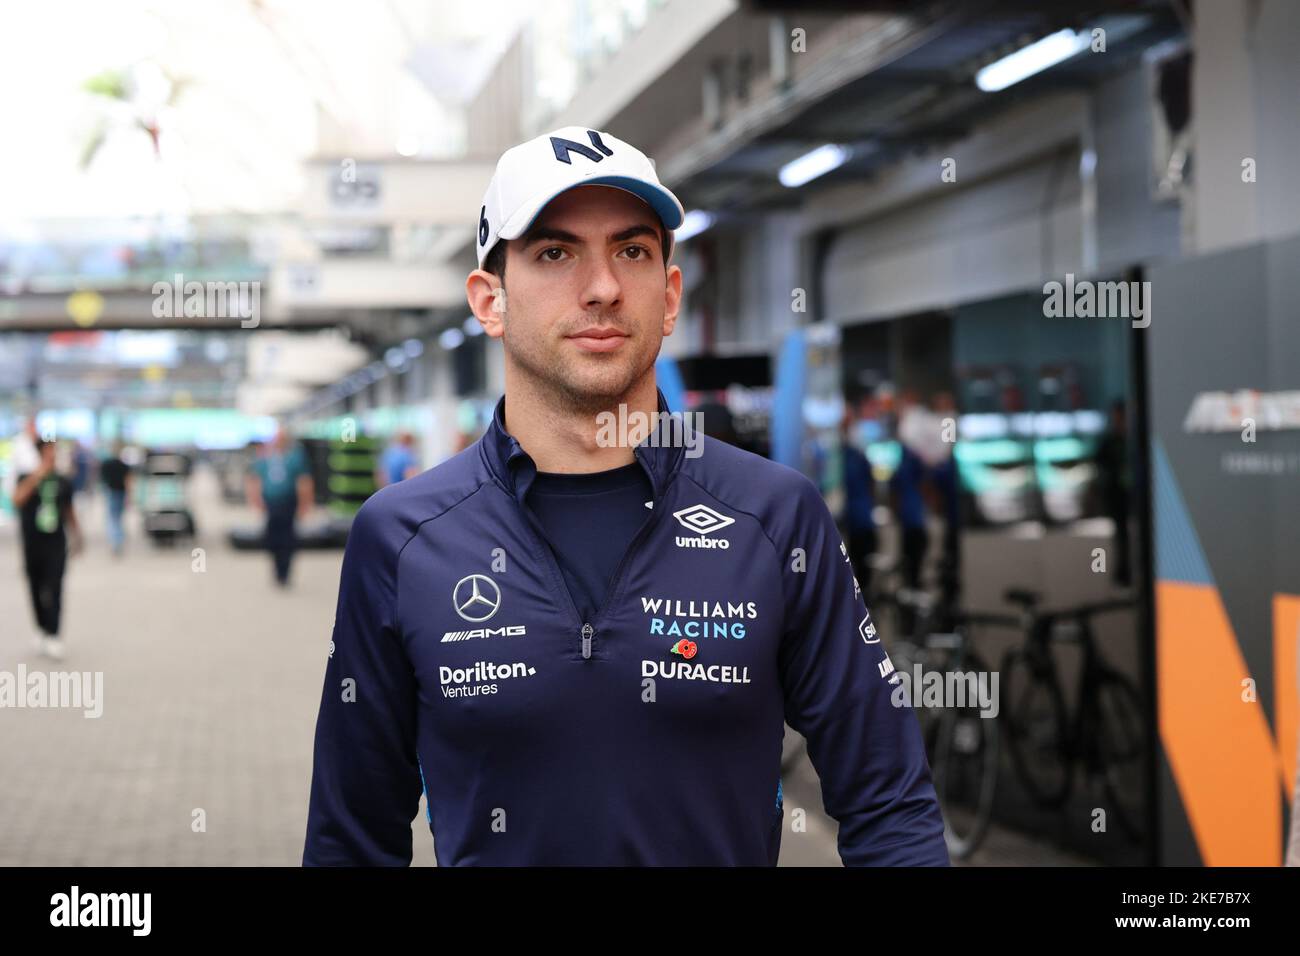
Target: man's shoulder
(776, 494)
(395, 512)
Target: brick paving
(211, 682)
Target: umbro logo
(703, 520)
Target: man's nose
(601, 285)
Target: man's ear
(487, 300)
(672, 297)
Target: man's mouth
(597, 339)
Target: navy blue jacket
(649, 735)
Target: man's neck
(564, 440)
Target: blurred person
(557, 619)
(945, 479)
(43, 498)
(116, 475)
(906, 491)
(23, 455)
(1115, 482)
(859, 503)
(26, 458)
(279, 483)
(398, 461)
(82, 465)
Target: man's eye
(546, 254)
(641, 252)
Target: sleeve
(864, 742)
(365, 785)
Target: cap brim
(663, 202)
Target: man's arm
(253, 491)
(868, 752)
(75, 540)
(28, 484)
(306, 488)
(365, 786)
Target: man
(43, 498)
(859, 503)
(397, 463)
(23, 458)
(116, 476)
(611, 690)
(280, 484)
(1116, 482)
(947, 485)
(905, 486)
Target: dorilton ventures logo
(703, 520)
(481, 678)
(1228, 411)
(695, 620)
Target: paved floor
(211, 682)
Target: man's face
(587, 300)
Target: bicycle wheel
(1118, 743)
(1035, 727)
(964, 766)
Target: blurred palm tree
(136, 97)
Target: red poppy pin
(685, 648)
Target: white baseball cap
(530, 175)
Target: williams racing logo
(670, 617)
(704, 521)
(477, 598)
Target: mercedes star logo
(476, 597)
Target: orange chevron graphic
(1220, 748)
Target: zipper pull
(587, 631)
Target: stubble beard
(580, 382)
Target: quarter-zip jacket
(648, 735)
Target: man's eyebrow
(550, 234)
(547, 234)
(640, 229)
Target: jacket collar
(515, 469)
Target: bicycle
(961, 742)
(1106, 734)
